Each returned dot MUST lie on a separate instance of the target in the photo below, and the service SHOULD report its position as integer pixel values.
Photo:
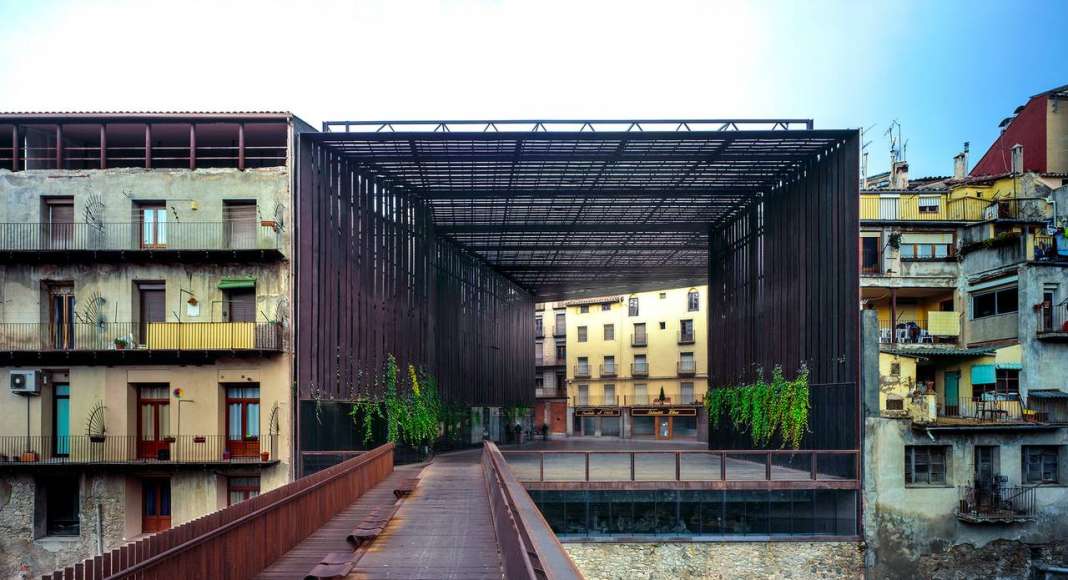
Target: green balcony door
(952, 404)
(61, 420)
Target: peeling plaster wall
(913, 532)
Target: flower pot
(199, 438)
(269, 224)
(169, 439)
(28, 457)
(96, 438)
(265, 456)
(226, 455)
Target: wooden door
(61, 317)
(153, 422)
(243, 420)
(240, 224)
(155, 505)
(663, 427)
(558, 417)
(240, 305)
(153, 307)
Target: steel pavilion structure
(431, 240)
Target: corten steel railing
(136, 237)
(38, 450)
(529, 548)
(133, 336)
(240, 541)
(997, 503)
(718, 466)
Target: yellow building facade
(637, 364)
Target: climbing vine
(765, 409)
(412, 415)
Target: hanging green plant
(364, 412)
(765, 409)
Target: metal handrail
(133, 237)
(37, 450)
(136, 336)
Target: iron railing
(582, 371)
(118, 336)
(131, 449)
(639, 340)
(609, 370)
(529, 548)
(996, 503)
(681, 466)
(217, 545)
(686, 337)
(595, 401)
(1003, 410)
(686, 368)
(639, 369)
(137, 237)
(911, 331)
(668, 400)
(1052, 319)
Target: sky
(948, 71)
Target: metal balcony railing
(608, 370)
(1052, 319)
(669, 399)
(595, 401)
(686, 337)
(120, 336)
(639, 340)
(687, 368)
(582, 371)
(997, 504)
(911, 331)
(133, 449)
(560, 330)
(639, 369)
(137, 237)
(1003, 409)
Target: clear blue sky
(948, 71)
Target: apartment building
(550, 362)
(144, 324)
(967, 277)
(637, 364)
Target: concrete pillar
(869, 362)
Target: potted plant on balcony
(121, 343)
(169, 439)
(28, 457)
(199, 439)
(265, 456)
(662, 398)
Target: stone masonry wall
(716, 560)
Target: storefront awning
(234, 283)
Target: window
(582, 334)
(641, 393)
(58, 506)
(61, 419)
(926, 246)
(925, 465)
(584, 308)
(561, 350)
(609, 332)
(686, 331)
(539, 381)
(539, 327)
(609, 394)
(640, 337)
(1006, 382)
(560, 326)
(239, 221)
(583, 366)
(641, 365)
(993, 303)
(243, 420)
(895, 404)
(153, 224)
(153, 419)
(663, 295)
(632, 307)
(606, 307)
(239, 305)
(539, 352)
(663, 325)
(238, 489)
(929, 203)
(687, 364)
(609, 364)
(869, 254)
(583, 395)
(693, 301)
(1040, 463)
(686, 389)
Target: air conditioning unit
(27, 382)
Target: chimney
(960, 163)
(1017, 159)
(899, 176)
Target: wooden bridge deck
(331, 537)
(443, 530)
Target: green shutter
(983, 375)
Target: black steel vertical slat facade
(375, 280)
(784, 277)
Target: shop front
(663, 422)
(598, 421)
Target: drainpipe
(99, 529)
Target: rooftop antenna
(864, 157)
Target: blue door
(61, 420)
(952, 404)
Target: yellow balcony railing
(908, 207)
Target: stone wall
(713, 560)
(24, 556)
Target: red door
(153, 422)
(243, 420)
(155, 505)
(558, 416)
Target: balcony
(582, 371)
(560, 331)
(595, 401)
(42, 451)
(553, 392)
(34, 342)
(686, 368)
(994, 504)
(646, 399)
(1001, 412)
(639, 339)
(173, 241)
(639, 369)
(686, 337)
(938, 328)
(1052, 323)
(608, 370)
(907, 207)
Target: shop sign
(596, 412)
(663, 412)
